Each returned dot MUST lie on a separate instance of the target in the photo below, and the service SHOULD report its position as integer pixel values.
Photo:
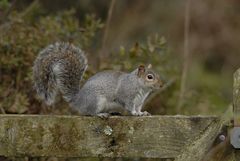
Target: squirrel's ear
(141, 70)
(149, 66)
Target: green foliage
(4, 5)
(204, 94)
(91, 26)
(152, 51)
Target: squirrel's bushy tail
(59, 69)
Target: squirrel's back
(58, 69)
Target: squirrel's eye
(150, 76)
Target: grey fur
(59, 69)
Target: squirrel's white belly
(140, 97)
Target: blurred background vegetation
(120, 35)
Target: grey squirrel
(58, 69)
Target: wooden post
(235, 135)
(78, 136)
(236, 98)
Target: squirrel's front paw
(103, 115)
(145, 113)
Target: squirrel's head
(149, 77)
